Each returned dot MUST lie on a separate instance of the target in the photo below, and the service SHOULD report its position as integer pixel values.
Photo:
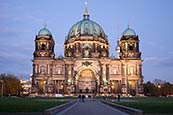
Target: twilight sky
(20, 21)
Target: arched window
(130, 47)
(59, 71)
(86, 54)
(115, 72)
(42, 70)
(43, 47)
(131, 70)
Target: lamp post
(44, 86)
(62, 88)
(112, 88)
(58, 87)
(129, 86)
(159, 88)
(2, 89)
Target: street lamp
(44, 86)
(159, 87)
(112, 87)
(2, 87)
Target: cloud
(35, 19)
(170, 53)
(15, 58)
(166, 61)
(6, 32)
(151, 59)
(152, 44)
(155, 44)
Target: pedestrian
(118, 97)
(104, 97)
(83, 98)
(79, 97)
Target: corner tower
(42, 62)
(130, 57)
(128, 45)
(44, 44)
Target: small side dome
(129, 32)
(112, 56)
(60, 57)
(44, 32)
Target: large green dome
(86, 27)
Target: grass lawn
(28, 104)
(151, 104)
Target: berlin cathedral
(86, 67)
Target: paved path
(90, 107)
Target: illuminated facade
(26, 87)
(86, 67)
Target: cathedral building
(86, 67)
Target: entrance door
(87, 82)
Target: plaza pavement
(90, 107)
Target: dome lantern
(86, 13)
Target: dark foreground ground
(150, 105)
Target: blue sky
(20, 21)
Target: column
(107, 72)
(101, 79)
(48, 69)
(137, 87)
(104, 73)
(66, 74)
(124, 81)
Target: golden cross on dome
(86, 14)
(128, 25)
(44, 25)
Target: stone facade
(86, 67)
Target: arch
(87, 74)
(43, 46)
(87, 81)
(93, 69)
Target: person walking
(118, 97)
(79, 97)
(83, 98)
